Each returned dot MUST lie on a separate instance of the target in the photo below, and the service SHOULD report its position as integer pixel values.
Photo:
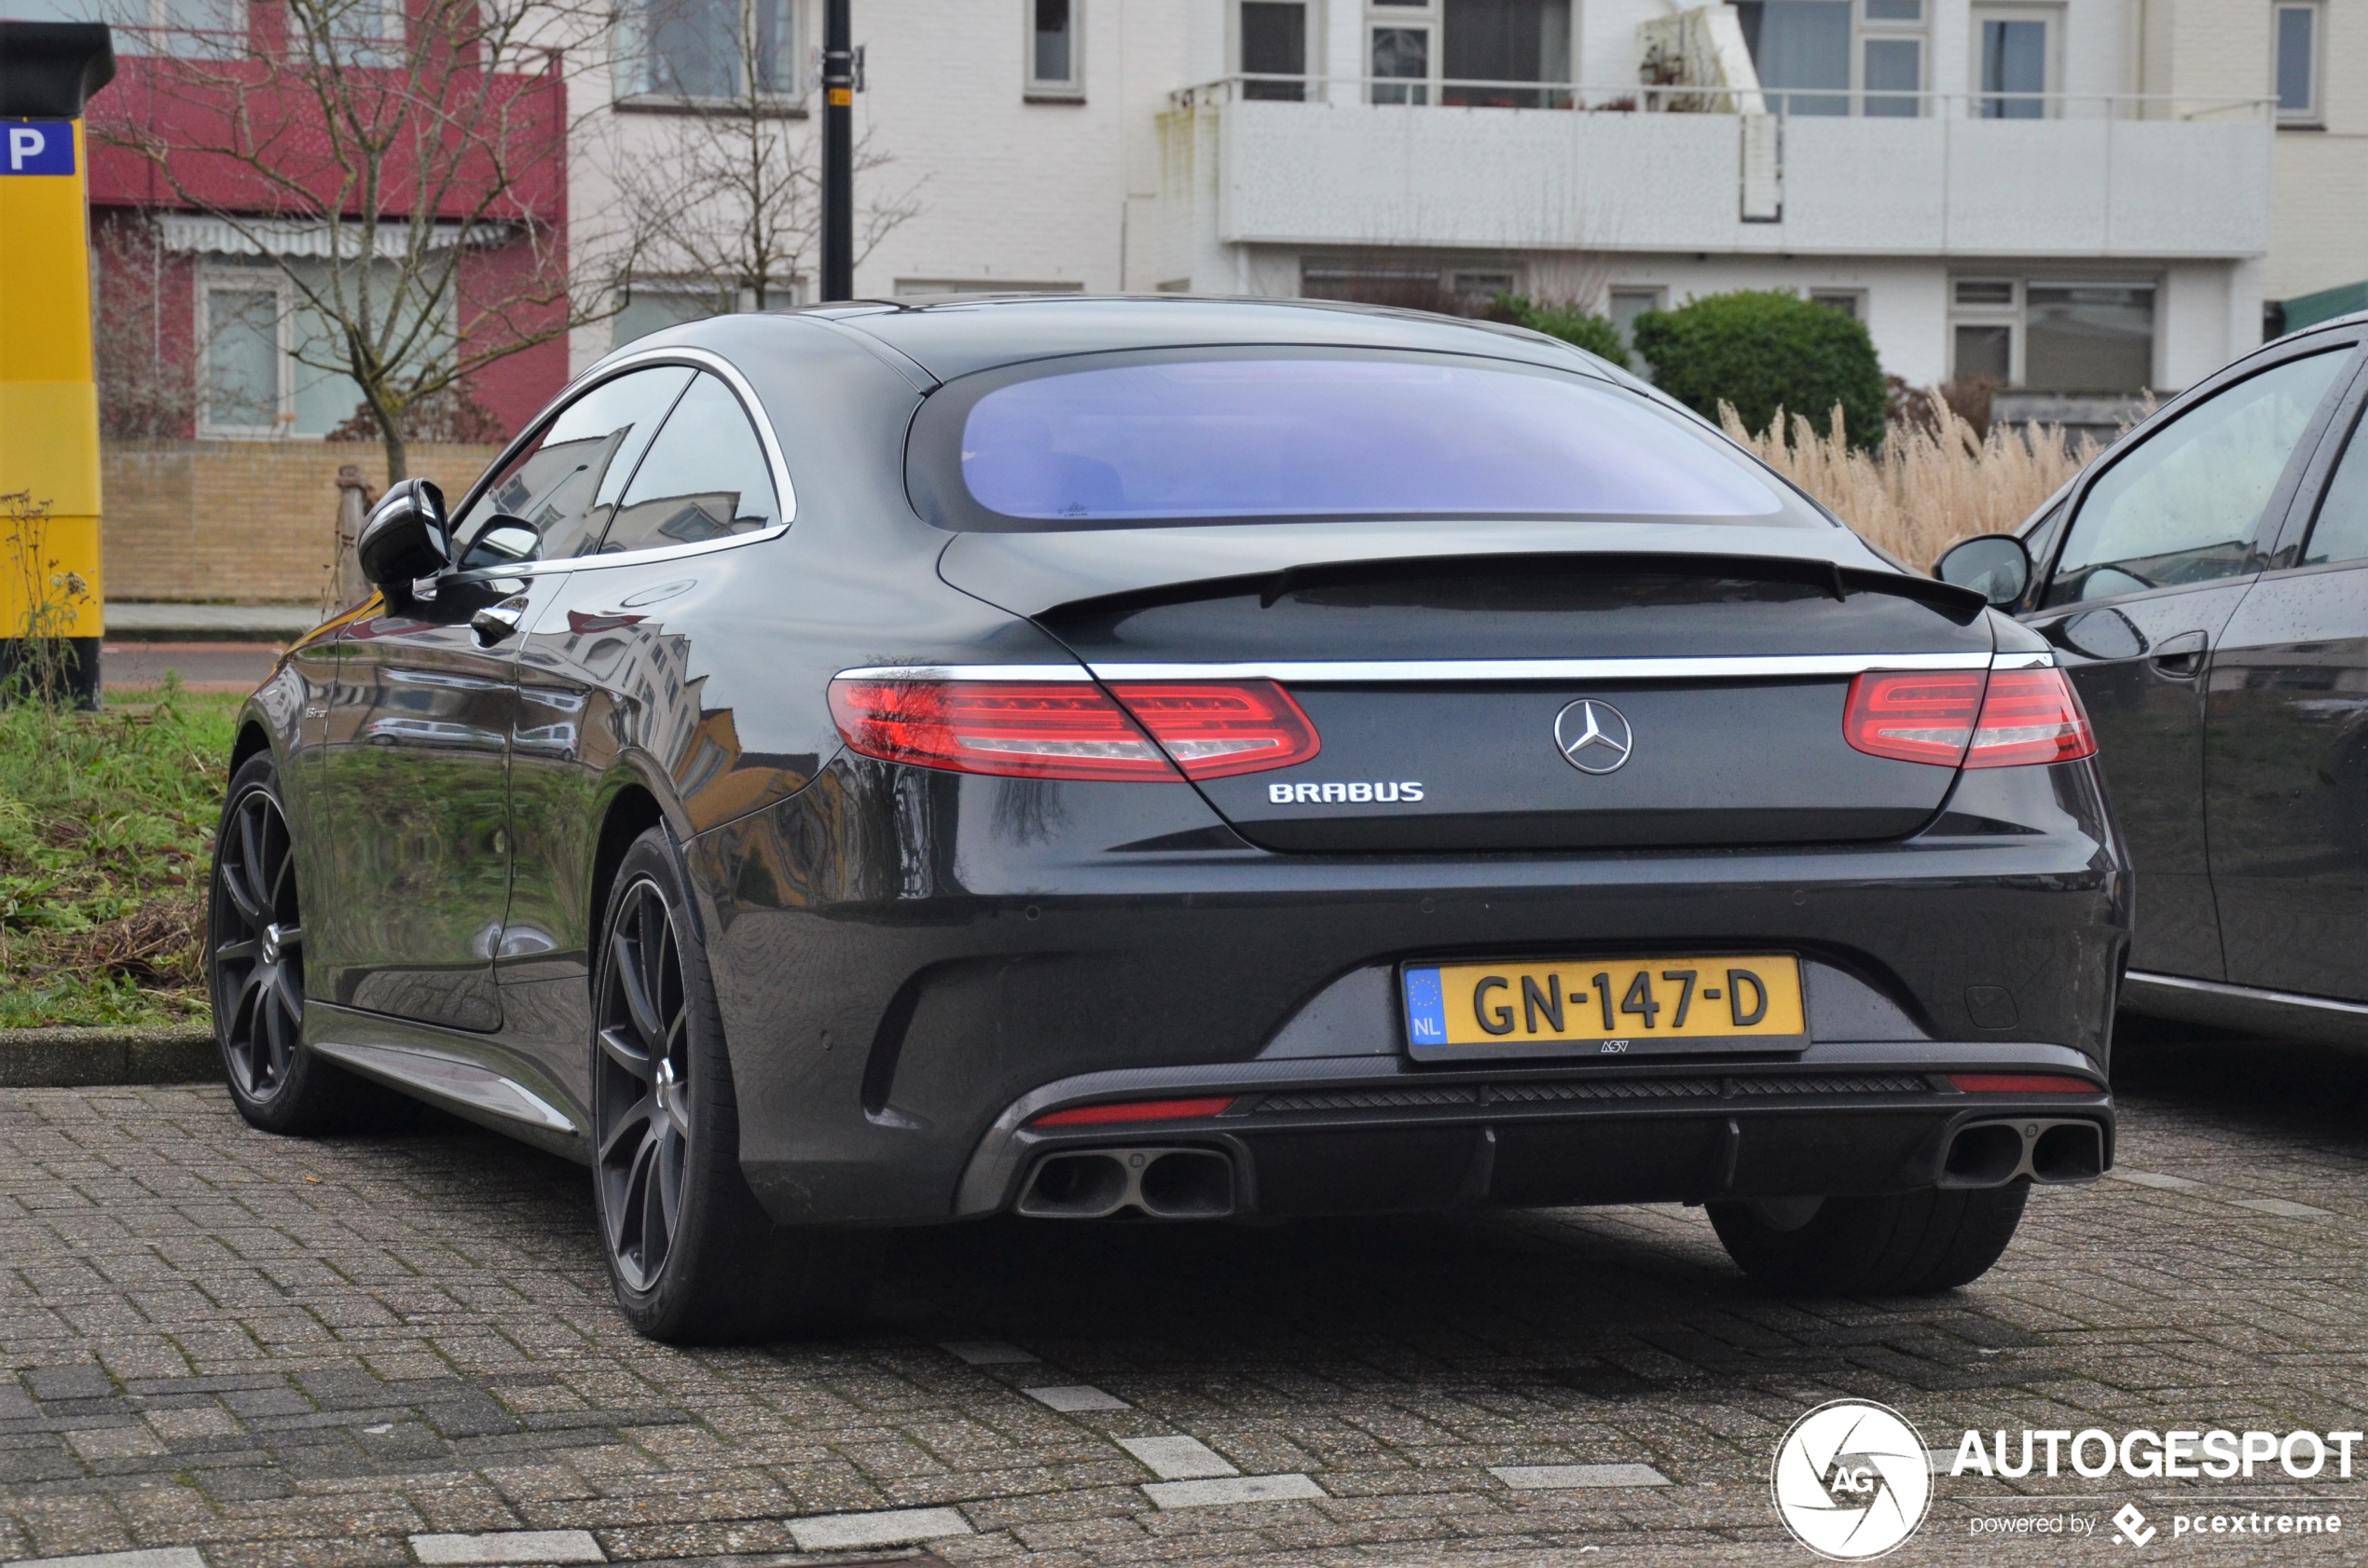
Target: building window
(2082, 335)
(188, 29)
(710, 50)
(912, 288)
(1055, 49)
(2088, 337)
(655, 306)
(1273, 44)
(268, 363)
(1839, 56)
(242, 323)
(2014, 53)
(1475, 53)
(1850, 302)
(2297, 63)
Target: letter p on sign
(39, 147)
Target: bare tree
(366, 149)
(726, 195)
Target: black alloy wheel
(642, 1108)
(255, 973)
(257, 946)
(693, 1255)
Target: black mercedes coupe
(1147, 760)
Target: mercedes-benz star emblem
(1593, 736)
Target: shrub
(1594, 334)
(1762, 351)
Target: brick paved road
(286, 1352)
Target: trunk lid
(1534, 701)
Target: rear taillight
(2030, 716)
(1967, 718)
(1213, 731)
(1924, 716)
(1072, 729)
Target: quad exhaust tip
(1162, 1183)
(2050, 1151)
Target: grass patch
(107, 834)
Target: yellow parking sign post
(51, 615)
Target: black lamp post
(838, 152)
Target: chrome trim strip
(1419, 671)
(2248, 994)
(967, 672)
(452, 1079)
(750, 403)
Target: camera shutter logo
(1593, 736)
(1851, 1481)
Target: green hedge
(1594, 334)
(1762, 351)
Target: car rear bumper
(899, 1005)
(1334, 1137)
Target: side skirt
(463, 1073)
(2321, 1018)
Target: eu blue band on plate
(1426, 1008)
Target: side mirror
(1994, 565)
(404, 538)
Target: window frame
(608, 370)
(2051, 87)
(2276, 532)
(632, 56)
(1282, 87)
(2346, 422)
(2313, 116)
(1045, 90)
(246, 280)
(1429, 90)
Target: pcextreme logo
(1852, 1479)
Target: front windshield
(1329, 437)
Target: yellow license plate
(1604, 1007)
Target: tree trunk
(398, 460)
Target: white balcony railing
(1785, 102)
(1712, 169)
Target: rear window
(1301, 436)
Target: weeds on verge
(106, 827)
(1934, 481)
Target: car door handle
(496, 622)
(2180, 658)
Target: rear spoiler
(1960, 605)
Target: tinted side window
(554, 501)
(705, 478)
(2186, 505)
(2341, 532)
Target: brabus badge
(1593, 736)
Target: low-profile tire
(694, 1257)
(1914, 1244)
(254, 976)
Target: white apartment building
(2064, 195)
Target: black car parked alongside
(2205, 583)
(1172, 759)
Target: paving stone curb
(81, 1058)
